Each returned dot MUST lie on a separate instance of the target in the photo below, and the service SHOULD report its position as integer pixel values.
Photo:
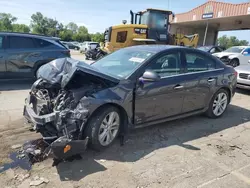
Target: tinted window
(212, 50)
(20, 42)
(43, 43)
(121, 36)
(1, 42)
(197, 62)
(217, 49)
(167, 65)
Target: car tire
(96, 131)
(218, 104)
(100, 56)
(234, 62)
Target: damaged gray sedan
(73, 104)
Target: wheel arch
(38, 64)
(228, 92)
(123, 115)
(237, 59)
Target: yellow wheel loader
(146, 27)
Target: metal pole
(205, 36)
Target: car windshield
(204, 48)
(235, 49)
(122, 63)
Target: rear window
(62, 44)
(16, 42)
(44, 44)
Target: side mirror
(245, 53)
(248, 61)
(150, 76)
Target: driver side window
(167, 65)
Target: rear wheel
(103, 128)
(218, 104)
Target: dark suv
(21, 54)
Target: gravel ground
(192, 152)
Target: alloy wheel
(109, 128)
(220, 104)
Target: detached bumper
(32, 117)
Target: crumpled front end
(59, 119)
(58, 106)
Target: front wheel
(103, 128)
(234, 63)
(218, 104)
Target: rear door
(21, 54)
(201, 76)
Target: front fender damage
(61, 130)
(60, 103)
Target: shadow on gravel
(243, 91)
(142, 143)
(9, 85)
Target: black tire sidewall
(93, 126)
(234, 61)
(210, 112)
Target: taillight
(235, 73)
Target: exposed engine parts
(58, 105)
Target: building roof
(220, 16)
(218, 9)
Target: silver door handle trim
(211, 80)
(178, 87)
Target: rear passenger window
(197, 62)
(43, 43)
(21, 42)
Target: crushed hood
(222, 54)
(61, 71)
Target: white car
(235, 56)
(243, 78)
(88, 45)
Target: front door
(163, 98)
(245, 56)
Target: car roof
(154, 47)
(30, 35)
(241, 46)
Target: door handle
(211, 79)
(178, 87)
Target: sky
(97, 15)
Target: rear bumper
(32, 117)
